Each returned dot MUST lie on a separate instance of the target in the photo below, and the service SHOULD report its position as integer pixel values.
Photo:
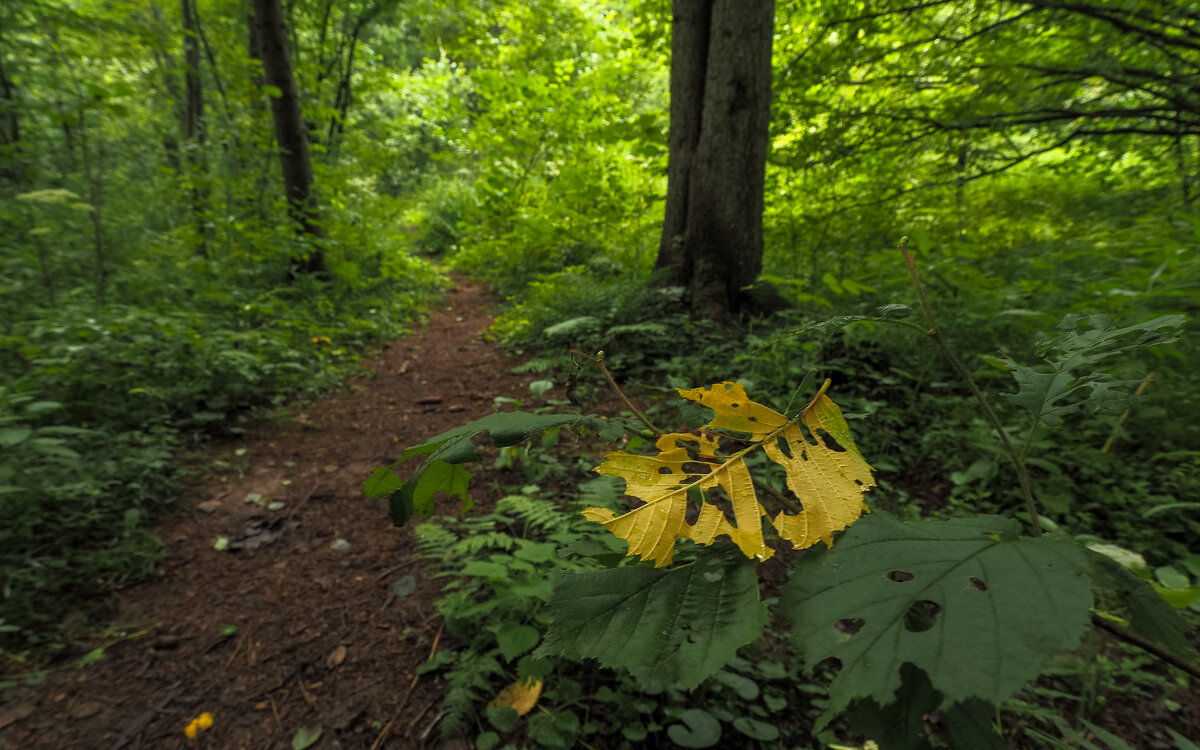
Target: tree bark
(290, 132)
(192, 124)
(712, 240)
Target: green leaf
(505, 428)
(487, 741)
(971, 724)
(10, 436)
(504, 718)
(305, 738)
(667, 626)
(441, 471)
(417, 493)
(900, 724)
(515, 639)
(746, 688)
(968, 601)
(699, 729)
(400, 507)
(755, 729)
(272, 91)
(381, 482)
(1136, 600)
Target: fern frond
(534, 513)
(468, 684)
(433, 540)
(474, 543)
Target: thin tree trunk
(290, 133)
(960, 188)
(10, 127)
(193, 125)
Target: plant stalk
(956, 363)
(1146, 645)
(598, 361)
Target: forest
(586, 374)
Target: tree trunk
(192, 125)
(289, 130)
(11, 156)
(712, 240)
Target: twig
(275, 713)
(395, 568)
(598, 361)
(308, 698)
(419, 716)
(432, 724)
(383, 733)
(956, 363)
(1146, 645)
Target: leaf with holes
(969, 601)
(825, 473)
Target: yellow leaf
(521, 696)
(825, 473)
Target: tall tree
(192, 123)
(712, 240)
(290, 133)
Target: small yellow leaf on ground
(521, 696)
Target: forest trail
(321, 640)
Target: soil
(295, 624)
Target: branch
(598, 361)
(1145, 644)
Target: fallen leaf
(336, 657)
(305, 738)
(404, 585)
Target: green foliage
(967, 601)
(1045, 394)
(674, 626)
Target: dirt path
(296, 624)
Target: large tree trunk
(712, 239)
(289, 129)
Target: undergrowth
(97, 401)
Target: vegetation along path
(317, 613)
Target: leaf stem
(598, 361)
(956, 363)
(1146, 645)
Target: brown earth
(296, 623)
